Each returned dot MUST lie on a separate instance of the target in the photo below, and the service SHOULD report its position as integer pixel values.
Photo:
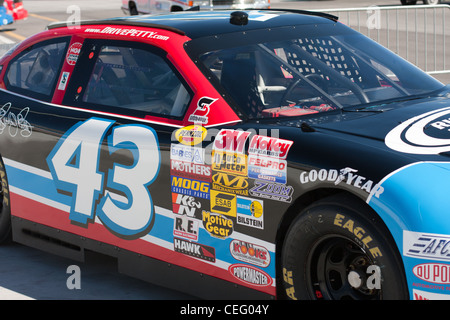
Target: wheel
(5, 212)
(431, 2)
(336, 249)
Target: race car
(253, 154)
(11, 10)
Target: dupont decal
(250, 275)
(250, 253)
(426, 245)
(191, 135)
(423, 134)
(200, 114)
(72, 53)
(433, 272)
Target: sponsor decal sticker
(190, 170)
(217, 225)
(250, 275)
(223, 203)
(433, 272)
(191, 135)
(190, 154)
(250, 253)
(234, 163)
(271, 147)
(230, 183)
(186, 227)
(423, 134)
(184, 204)
(196, 250)
(190, 187)
(63, 82)
(73, 53)
(267, 168)
(231, 141)
(272, 191)
(200, 115)
(250, 212)
(426, 245)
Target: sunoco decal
(424, 134)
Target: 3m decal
(72, 53)
(185, 227)
(191, 135)
(74, 164)
(184, 204)
(217, 225)
(250, 212)
(200, 115)
(190, 187)
(267, 146)
(272, 191)
(234, 163)
(230, 183)
(250, 253)
(196, 250)
(250, 275)
(231, 140)
(423, 134)
(426, 245)
(223, 203)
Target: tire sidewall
(341, 219)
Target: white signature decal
(16, 122)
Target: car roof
(195, 24)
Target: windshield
(310, 74)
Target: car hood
(419, 127)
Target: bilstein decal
(423, 134)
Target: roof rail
(306, 12)
(117, 21)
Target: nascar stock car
(232, 154)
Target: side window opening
(35, 71)
(135, 79)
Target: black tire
(331, 245)
(5, 209)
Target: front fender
(415, 207)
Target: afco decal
(75, 167)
